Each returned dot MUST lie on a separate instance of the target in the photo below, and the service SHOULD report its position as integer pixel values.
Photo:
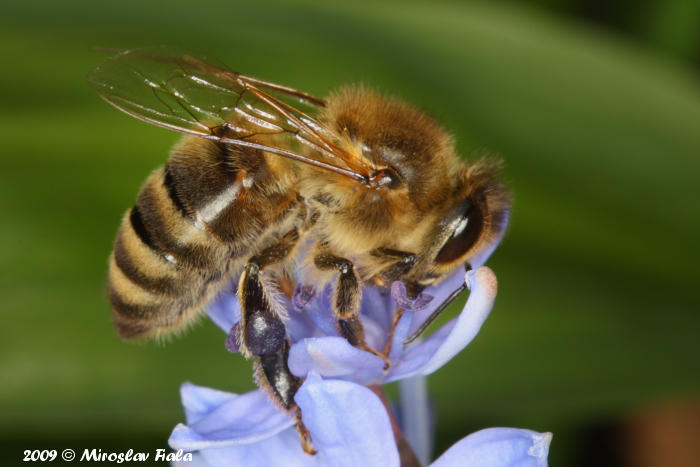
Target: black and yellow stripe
(193, 224)
(155, 279)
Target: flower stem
(415, 416)
(406, 455)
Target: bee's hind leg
(262, 330)
(273, 377)
(263, 333)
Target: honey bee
(369, 187)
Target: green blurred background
(595, 108)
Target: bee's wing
(191, 94)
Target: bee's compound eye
(465, 232)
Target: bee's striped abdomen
(161, 264)
(187, 235)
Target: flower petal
(224, 311)
(498, 447)
(282, 449)
(300, 326)
(320, 312)
(217, 419)
(199, 401)
(334, 357)
(376, 310)
(429, 355)
(348, 423)
(197, 461)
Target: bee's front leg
(347, 295)
(399, 263)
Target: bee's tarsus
(304, 435)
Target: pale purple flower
(317, 346)
(348, 423)
(349, 426)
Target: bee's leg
(263, 334)
(262, 331)
(304, 435)
(400, 263)
(347, 294)
(273, 376)
(398, 314)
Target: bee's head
(473, 222)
